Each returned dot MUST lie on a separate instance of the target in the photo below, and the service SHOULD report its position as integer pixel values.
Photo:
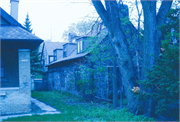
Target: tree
(35, 60)
(80, 29)
(27, 24)
(91, 83)
(165, 75)
(152, 41)
(113, 15)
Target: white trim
(9, 88)
(2, 93)
(24, 50)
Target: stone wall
(16, 100)
(102, 79)
(62, 78)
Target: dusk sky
(50, 18)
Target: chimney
(71, 37)
(14, 9)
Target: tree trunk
(151, 44)
(115, 88)
(111, 19)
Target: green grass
(76, 109)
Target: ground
(74, 108)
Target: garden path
(46, 109)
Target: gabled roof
(16, 33)
(12, 31)
(50, 46)
(8, 17)
(74, 55)
(100, 37)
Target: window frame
(80, 47)
(64, 52)
(55, 55)
(2, 60)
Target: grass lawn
(76, 109)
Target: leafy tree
(35, 59)
(27, 24)
(113, 15)
(92, 75)
(164, 77)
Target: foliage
(27, 24)
(35, 59)
(92, 75)
(164, 77)
(76, 109)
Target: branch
(101, 11)
(164, 9)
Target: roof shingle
(16, 33)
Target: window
(2, 67)
(64, 52)
(51, 58)
(55, 55)
(80, 46)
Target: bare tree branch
(101, 11)
(164, 9)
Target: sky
(49, 18)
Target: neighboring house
(49, 50)
(62, 73)
(15, 78)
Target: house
(65, 73)
(16, 44)
(49, 50)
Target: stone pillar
(25, 77)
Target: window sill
(9, 88)
(2, 93)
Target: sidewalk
(45, 108)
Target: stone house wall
(16, 99)
(55, 77)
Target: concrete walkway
(46, 108)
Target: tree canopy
(27, 24)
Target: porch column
(25, 77)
